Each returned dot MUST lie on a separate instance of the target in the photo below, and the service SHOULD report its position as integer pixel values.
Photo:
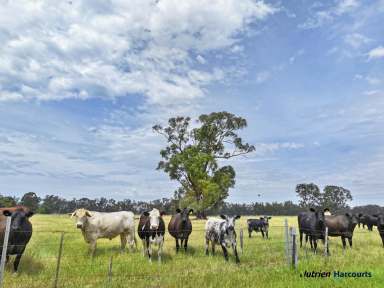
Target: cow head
(82, 216)
(320, 218)
(18, 218)
(184, 214)
(353, 219)
(229, 222)
(154, 218)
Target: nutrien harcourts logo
(336, 274)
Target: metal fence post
(286, 240)
(59, 260)
(294, 248)
(241, 239)
(4, 250)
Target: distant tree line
(52, 204)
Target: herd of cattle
(151, 229)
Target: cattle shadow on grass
(28, 265)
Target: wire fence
(280, 249)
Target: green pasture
(263, 262)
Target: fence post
(241, 239)
(4, 250)
(294, 248)
(286, 240)
(326, 248)
(110, 270)
(59, 260)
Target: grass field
(263, 262)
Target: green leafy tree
(192, 157)
(336, 198)
(309, 195)
(7, 201)
(30, 200)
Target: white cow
(95, 225)
(221, 231)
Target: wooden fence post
(241, 239)
(4, 249)
(294, 248)
(326, 248)
(59, 261)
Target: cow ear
(347, 214)
(88, 214)
(312, 209)
(7, 213)
(146, 213)
(29, 214)
(223, 217)
(162, 213)
(360, 215)
(178, 210)
(375, 215)
(269, 217)
(261, 218)
(237, 217)
(190, 211)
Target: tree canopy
(192, 157)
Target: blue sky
(82, 83)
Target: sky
(83, 82)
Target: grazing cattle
(342, 226)
(380, 226)
(259, 225)
(151, 230)
(312, 224)
(368, 220)
(221, 231)
(20, 232)
(180, 227)
(96, 225)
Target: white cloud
(356, 40)
(376, 53)
(84, 49)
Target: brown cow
(20, 231)
(180, 227)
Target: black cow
(151, 230)
(342, 226)
(259, 225)
(380, 226)
(180, 227)
(19, 235)
(312, 225)
(369, 220)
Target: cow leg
(144, 246)
(181, 242)
(177, 245)
(266, 233)
(93, 247)
(301, 238)
(315, 244)
(382, 238)
(206, 246)
(262, 233)
(160, 251)
(185, 244)
(350, 241)
(123, 240)
(213, 247)
(343, 241)
(17, 260)
(249, 233)
(234, 248)
(149, 250)
(132, 242)
(225, 252)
